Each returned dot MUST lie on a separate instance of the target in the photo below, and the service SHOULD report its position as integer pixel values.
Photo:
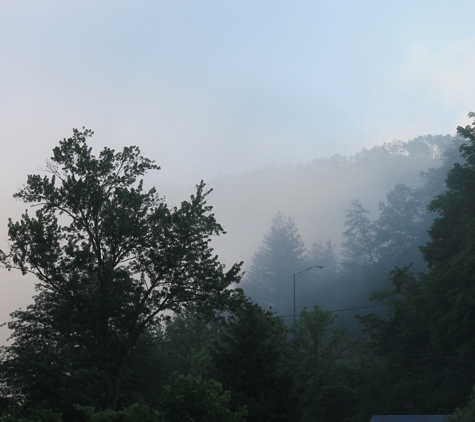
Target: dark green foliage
(425, 344)
(399, 344)
(404, 331)
(318, 353)
(467, 413)
(406, 370)
(402, 226)
(133, 413)
(450, 254)
(191, 399)
(47, 361)
(183, 342)
(12, 411)
(251, 358)
(109, 258)
(144, 376)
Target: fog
(270, 103)
(317, 197)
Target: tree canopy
(126, 323)
(110, 258)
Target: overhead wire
(338, 310)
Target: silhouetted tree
(252, 359)
(450, 254)
(359, 237)
(320, 373)
(269, 277)
(426, 341)
(402, 227)
(109, 258)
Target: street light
(300, 274)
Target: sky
(224, 87)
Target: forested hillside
(137, 319)
(315, 195)
(357, 216)
(372, 243)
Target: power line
(360, 307)
(339, 310)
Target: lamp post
(300, 274)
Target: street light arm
(300, 274)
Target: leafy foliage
(320, 375)
(426, 342)
(191, 399)
(183, 343)
(467, 413)
(109, 258)
(450, 253)
(251, 359)
(113, 261)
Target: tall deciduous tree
(361, 271)
(450, 254)
(427, 338)
(110, 258)
(402, 226)
(359, 246)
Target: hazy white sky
(226, 86)
(208, 87)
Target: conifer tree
(269, 277)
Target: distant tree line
(370, 249)
(135, 318)
(415, 260)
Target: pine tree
(269, 277)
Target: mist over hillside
(316, 194)
(317, 198)
(320, 212)
(364, 231)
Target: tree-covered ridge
(429, 331)
(315, 194)
(421, 147)
(134, 318)
(372, 243)
(432, 148)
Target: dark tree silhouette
(269, 277)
